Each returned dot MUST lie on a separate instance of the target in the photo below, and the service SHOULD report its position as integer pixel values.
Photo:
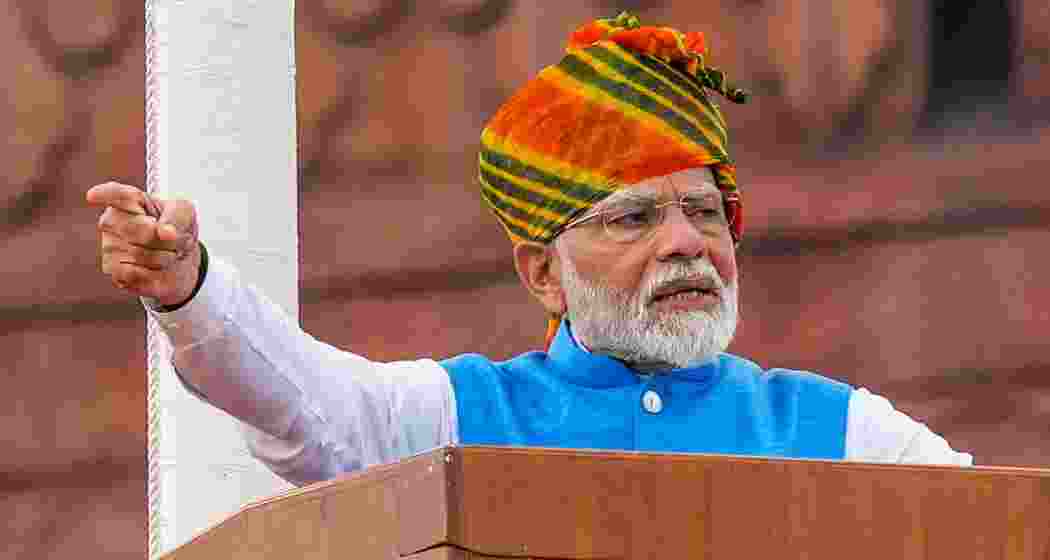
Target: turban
(626, 103)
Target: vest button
(651, 402)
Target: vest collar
(581, 367)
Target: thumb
(178, 218)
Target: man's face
(667, 298)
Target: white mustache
(619, 322)
(678, 271)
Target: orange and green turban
(627, 102)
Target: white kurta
(314, 411)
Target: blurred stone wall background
(893, 162)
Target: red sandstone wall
(904, 261)
(72, 467)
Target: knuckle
(162, 260)
(133, 254)
(148, 258)
(109, 245)
(186, 210)
(118, 276)
(105, 221)
(130, 276)
(139, 231)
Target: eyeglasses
(637, 218)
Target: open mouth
(687, 290)
(685, 295)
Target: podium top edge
(648, 456)
(454, 454)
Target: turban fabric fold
(626, 103)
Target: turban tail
(626, 103)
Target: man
(610, 173)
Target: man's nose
(678, 236)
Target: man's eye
(702, 209)
(630, 219)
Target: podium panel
(473, 503)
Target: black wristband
(201, 273)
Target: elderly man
(610, 173)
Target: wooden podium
(487, 502)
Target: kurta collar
(581, 367)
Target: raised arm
(314, 411)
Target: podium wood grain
(484, 502)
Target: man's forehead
(696, 181)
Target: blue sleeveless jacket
(571, 398)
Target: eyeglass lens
(634, 220)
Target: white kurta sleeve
(311, 411)
(876, 432)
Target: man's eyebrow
(703, 194)
(619, 197)
(652, 195)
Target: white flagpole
(220, 121)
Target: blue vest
(571, 398)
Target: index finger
(123, 197)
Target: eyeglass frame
(680, 202)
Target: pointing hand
(148, 246)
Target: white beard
(619, 323)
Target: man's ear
(539, 269)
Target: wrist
(192, 280)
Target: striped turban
(626, 103)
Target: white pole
(220, 119)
